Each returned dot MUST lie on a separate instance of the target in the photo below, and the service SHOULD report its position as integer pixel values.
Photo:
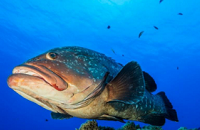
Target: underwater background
(168, 49)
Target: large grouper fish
(79, 82)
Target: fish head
(54, 80)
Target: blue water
(31, 27)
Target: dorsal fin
(149, 82)
(128, 86)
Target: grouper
(78, 82)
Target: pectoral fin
(111, 118)
(128, 86)
(93, 94)
(60, 116)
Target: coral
(184, 128)
(150, 127)
(93, 125)
(137, 127)
(105, 128)
(89, 125)
(128, 126)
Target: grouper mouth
(25, 79)
(43, 73)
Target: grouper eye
(51, 55)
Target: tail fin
(171, 113)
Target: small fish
(177, 68)
(161, 1)
(180, 14)
(46, 120)
(113, 51)
(108, 27)
(120, 64)
(141, 34)
(122, 55)
(79, 82)
(155, 27)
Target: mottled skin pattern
(147, 105)
(135, 112)
(61, 80)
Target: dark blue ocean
(168, 49)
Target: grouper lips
(41, 72)
(19, 81)
(32, 81)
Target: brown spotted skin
(79, 67)
(80, 71)
(137, 112)
(73, 62)
(147, 105)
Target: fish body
(140, 34)
(155, 27)
(161, 1)
(113, 51)
(79, 82)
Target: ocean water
(170, 54)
